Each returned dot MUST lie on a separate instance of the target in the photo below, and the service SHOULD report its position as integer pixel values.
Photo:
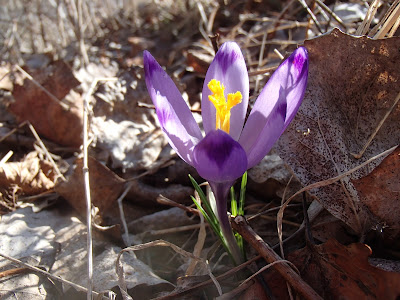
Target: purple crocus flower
(230, 146)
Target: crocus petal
(175, 117)
(219, 158)
(229, 68)
(275, 107)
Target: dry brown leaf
(31, 176)
(353, 83)
(343, 272)
(105, 187)
(379, 191)
(45, 113)
(336, 271)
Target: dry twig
(240, 225)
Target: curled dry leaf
(31, 176)
(105, 187)
(46, 113)
(353, 84)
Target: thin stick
(6, 158)
(45, 151)
(313, 17)
(282, 201)
(85, 171)
(303, 289)
(12, 131)
(329, 11)
(122, 214)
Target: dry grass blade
(201, 238)
(396, 101)
(363, 28)
(389, 23)
(235, 292)
(229, 273)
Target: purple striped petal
(229, 68)
(175, 117)
(219, 158)
(275, 107)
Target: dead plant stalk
(240, 225)
(85, 170)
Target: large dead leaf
(353, 83)
(46, 113)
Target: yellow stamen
(223, 107)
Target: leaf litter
(348, 117)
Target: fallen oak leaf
(353, 83)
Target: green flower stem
(221, 192)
